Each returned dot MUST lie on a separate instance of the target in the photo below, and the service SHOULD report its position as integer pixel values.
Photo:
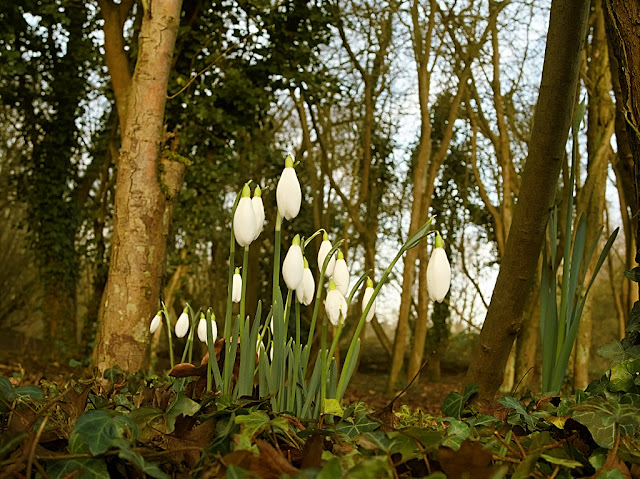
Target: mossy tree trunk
(146, 184)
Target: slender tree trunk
(554, 110)
(145, 188)
(623, 31)
(591, 199)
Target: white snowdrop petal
(155, 323)
(341, 276)
(306, 290)
(202, 330)
(368, 292)
(244, 222)
(288, 194)
(236, 290)
(293, 267)
(325, 247)
(182, 325)
(258, 211)
(335, 306)
(438, 275)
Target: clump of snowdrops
(282, 361)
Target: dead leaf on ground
(471, 461)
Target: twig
(524, 454)
(34, 444)
(505, 443)
(555, 472)
(495, 457)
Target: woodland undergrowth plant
(271, 360)
(559, 322)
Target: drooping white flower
(288, 192)
(368, 292)
(438, 272)
(305, 291)
(293, 265)
(202, 329)
(258, 210)
(244, 219)
(236, 290)
(182, 325)
(155, 322)
(335, 305)
(341, 274)
(325, 247)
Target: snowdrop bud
(341, 274)
(438, 272)
(288, 193)
(368, 292)
(236, 290)
(155, 322)
(325, 247)
(293, 265)
(182, 326)
(335, 305)
(258, 210)
(307, 287)
(244, 219)
(202, 329)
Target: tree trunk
(145, 188)
(567, 26)
(623, 32)
(591, 199)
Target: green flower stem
(413, 241)
(227, 318)
(323, 374)
(306, 241)
(245, 266)
(297, 321)
(316, 305)
(334, 343)
(169, 334)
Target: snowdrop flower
(182, 325)
(335, 305)
(202, 329)
(155, 322)
(244, 219)
(438, 272)
(368, 292)
(236, 290)
(288, 193)
(258, 210)
(293, 265)
(341, 274)
(306, 290)
(325, 247)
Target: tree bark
(622, 19)
(567, 26)
(145, 188)
(591, 198)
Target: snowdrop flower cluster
(438, 272)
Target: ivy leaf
(88, 469)
(603, 435)
(31, 391)
(137, 460)
(612, 351)
(252, 424)
(570, 463)
(633, 274)
(181, 405)
(455, 402)
(98, 430)
(353, 427)
(513, 403)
